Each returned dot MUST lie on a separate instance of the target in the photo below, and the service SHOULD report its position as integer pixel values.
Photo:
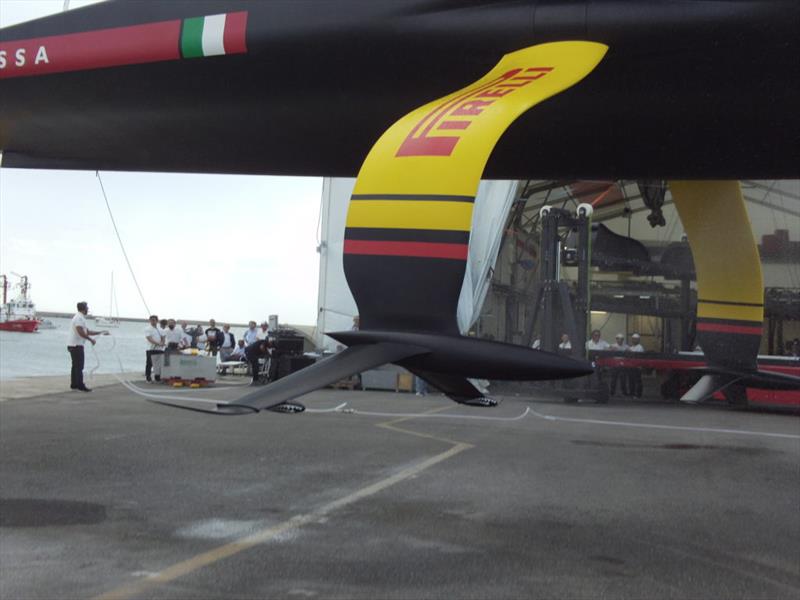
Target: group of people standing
(167, 335)
(629, 378)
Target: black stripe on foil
(413, 197)
(406, 235)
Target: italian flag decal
(211, 35)
(214, 35)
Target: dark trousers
(619, 374)
(635, 381)
(255, 367)
(76, 375)
(148, 365)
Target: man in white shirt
(155, 345)
(173, 336)
(227, 344)
(251, 335)
(263, 333)
(238, 353)
(565, 346)
(79, 333)
(619, 344)
(596, 343)
(162, 329)
(635, 373)
(636, 343)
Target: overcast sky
(228, 247)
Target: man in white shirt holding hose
(79, 333)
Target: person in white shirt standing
(619, 344)
(251, 335)
(635, 373)
(596, 342)
(173, 335)
(155, 345)
(636, 343)
(263, 333)
(227, 344)
(162, 329)
(79, 333)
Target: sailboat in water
(110, 320)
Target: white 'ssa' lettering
(20, 58)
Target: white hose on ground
(341, 408)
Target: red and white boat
(18, 314)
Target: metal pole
(685, 313)
(583, 297)
(548, 274)
(771, 336)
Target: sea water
(45, 352)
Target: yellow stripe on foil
(727, 311)
(408, 214)
(465, 126)
(725, 253)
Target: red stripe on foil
(114, 47)
(419, 249)
(721, 328)
(234, 38)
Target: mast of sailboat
(116, 303)
(24, 286)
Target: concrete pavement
(107, 495)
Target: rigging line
(121, 245)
